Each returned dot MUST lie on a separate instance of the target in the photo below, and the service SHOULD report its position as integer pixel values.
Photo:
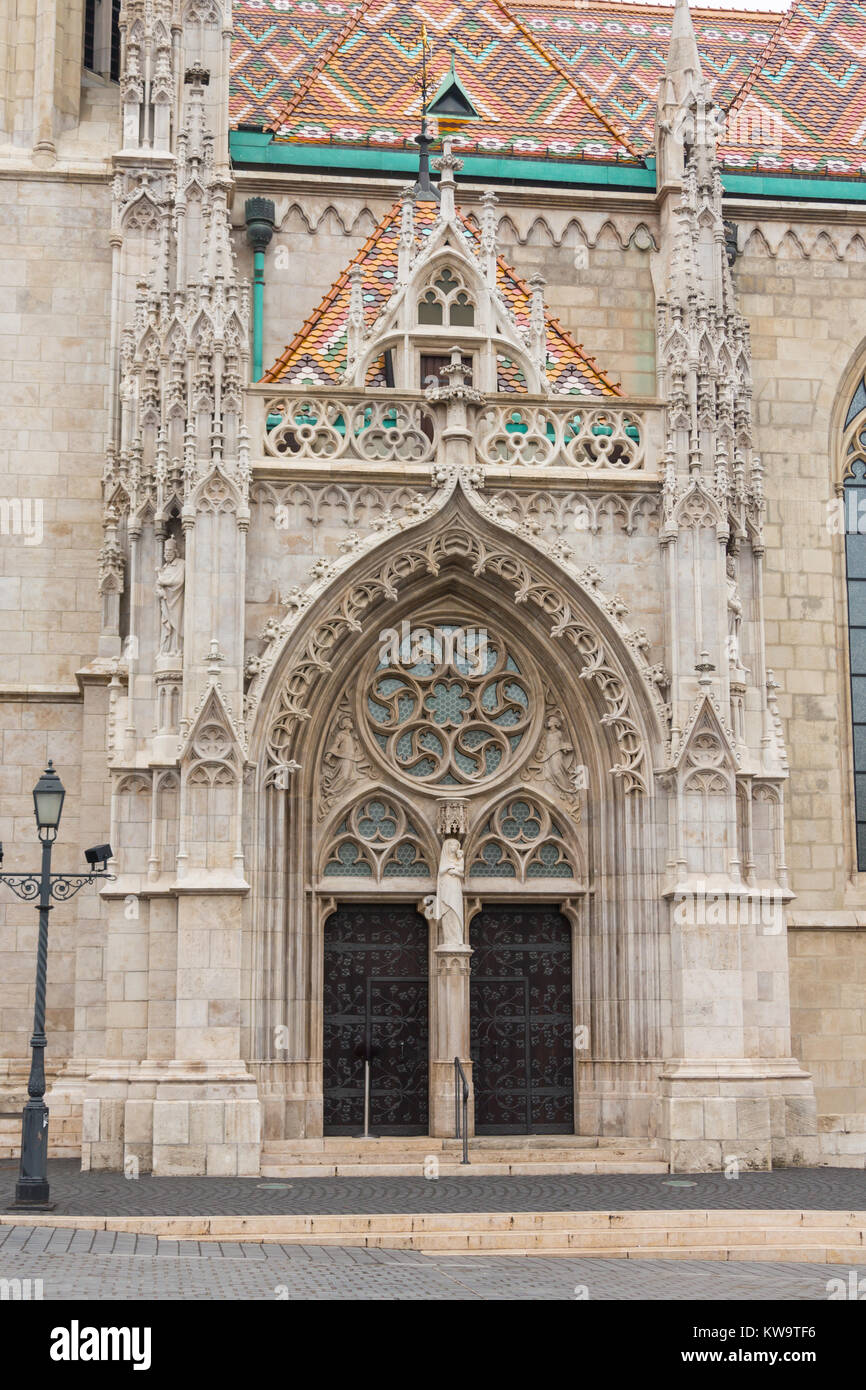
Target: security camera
(99, 854)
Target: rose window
(449, 706)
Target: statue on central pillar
(446, 906)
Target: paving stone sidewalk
(100, 1265)
(111, 1194)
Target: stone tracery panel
(522, 841)
(376, 840)
(373, 431)
(453, 710)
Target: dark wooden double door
(376, 1003)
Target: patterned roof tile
(554, 78)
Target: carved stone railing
(325, 428)
(561, 434)
(333, 426)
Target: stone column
(451, 1035)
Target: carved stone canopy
(451, 819)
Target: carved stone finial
(447, 164)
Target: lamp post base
(30, 1204)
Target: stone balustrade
(322, 425)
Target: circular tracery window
(448, 706)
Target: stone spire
(683, 82)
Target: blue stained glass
(473, 738)
(517, 693)
(493, 863)
(858, 403)
(405, 708)
(855, 557)
(378, 712)
(465, 763)
(507, 718)
(492, 758)
(430, 742)
(422, 769)
(447, 703)
(520, 821)
(388, 684)
(404, 863)
(348, 861)
(548, 864)
(378, 823)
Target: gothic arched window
(447, 293)
(854, 513)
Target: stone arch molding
(456, 526)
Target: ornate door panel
(521, 1020)
(376, 997)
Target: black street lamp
(31, 1189)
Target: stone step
(453, 1154)
(525, 1155)
(448, 1168)
(428, 1144)
(836, 1237)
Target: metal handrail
(459, 1074)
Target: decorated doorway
(376, 1005)
(521, 1019)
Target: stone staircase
(531, 1155)
(819, 1237)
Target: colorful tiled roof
(367, 84)
(804, 104)
(316, 356)
(555, 78)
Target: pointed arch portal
(446, 712)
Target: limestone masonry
(432, 451)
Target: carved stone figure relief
(343, 761)
(555, 765)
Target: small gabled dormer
(428, 280)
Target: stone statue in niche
(554, 764)
(445, 907)
(170, 580)
(735, 613)
(343, 761)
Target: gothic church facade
(431, 557)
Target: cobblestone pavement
(111, 1194)
(100, 1265)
